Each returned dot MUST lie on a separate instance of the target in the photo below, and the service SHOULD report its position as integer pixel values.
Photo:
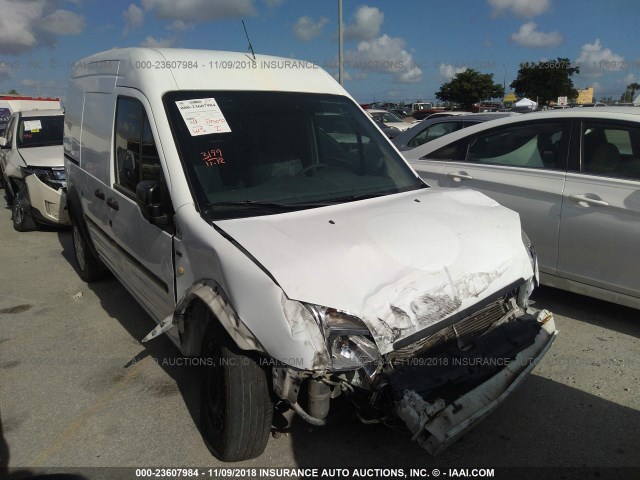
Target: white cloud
(133, 17)
(5, 72)
(199, 10)
(367, 24)
(595, 60)
(306, 29)
(152, 42)
(520, 8)
(527, 36)
(384, 55)
(180, 26)
(447, 72)
(17, 25)
(25, 25)
(63, 22)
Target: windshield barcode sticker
(203, 116)
(32, 126)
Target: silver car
(574, 178)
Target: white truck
(269, 227)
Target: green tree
(546, 81)
(13, 91)
(631, 91)
(469, 87)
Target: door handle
(457, 176)
(591, 201)
(99, 193)
(111, 202)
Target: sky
(401, 50)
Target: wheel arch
(205, 306)
(74, 208)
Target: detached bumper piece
(444, 393)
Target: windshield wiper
(266, 205)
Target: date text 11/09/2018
(223, 64)
(367, 472)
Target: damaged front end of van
(435, 349)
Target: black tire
(8, 196)
(90, 268)
(21, 212)
(236, 410)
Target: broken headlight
(53, 177)
(348, 340)
(526, 288)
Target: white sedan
(390, 119)
(574, 178)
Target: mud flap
(436, 426)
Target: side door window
(136, 156)
(538, 145)
(611, 150)
(432, 132)
(9, 131)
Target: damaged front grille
(463, 331)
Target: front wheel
(236, 410)
(90, 267)
(21, 212)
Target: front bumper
(438, 410)
(48, 204)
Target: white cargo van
(268, 226)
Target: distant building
(585, 96)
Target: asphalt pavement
(79, 389)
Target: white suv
(268, 226)
(32, 168)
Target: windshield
(40, 131)
(255, 153)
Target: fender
(192, 327)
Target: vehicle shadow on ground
(544, 423)
(119, 304)
(589, 310)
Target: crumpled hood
(400, 263)
(52, 156)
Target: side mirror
(149, 196)
(3, 142)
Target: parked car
(435, 127)
(390, 119)
(32, 168)
(308, 258)
(389, 131)
(573, 176)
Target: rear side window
(135, 150)
(537, 145)
(611, 150)
(432, 132)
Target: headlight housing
(348, 340)
(54, 177)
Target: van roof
(41, 113)
(166, 69)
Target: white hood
(52, 156)
(400, 263)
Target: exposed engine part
(320, 422)
(319, 399)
